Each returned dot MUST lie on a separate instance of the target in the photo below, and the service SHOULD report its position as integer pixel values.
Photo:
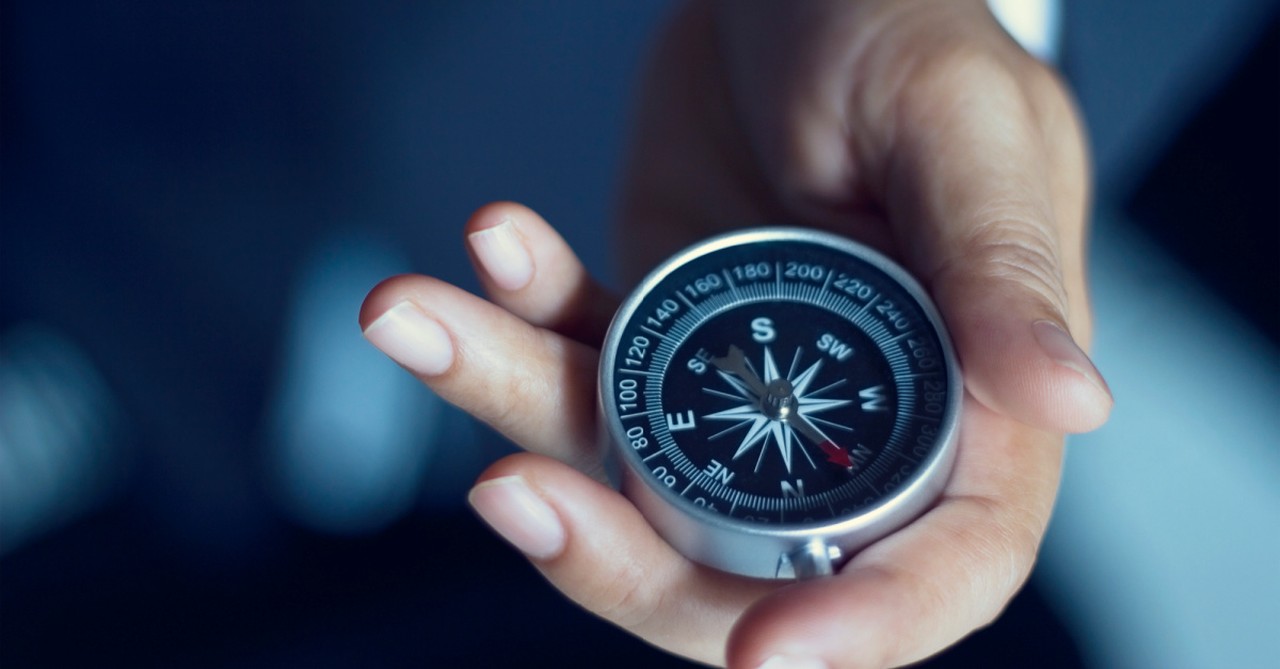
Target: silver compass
(776, 399)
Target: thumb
(986, 191)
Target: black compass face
(779, 381)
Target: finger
(925, 587)
(971, 151)
(532, 385)
(999, 239)
(527, 268)
(594, 546)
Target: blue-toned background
(203, 464)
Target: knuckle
(625, 598)
(1002, 557)
(532, 392)
(955, 71)
(965, 84)
(501, 395)
(1051, 103)
(1011, 247)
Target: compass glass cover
(778, 381)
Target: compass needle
(741, 352)
(735, 369)
(835, 454)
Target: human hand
(925, 133)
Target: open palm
(923, 131)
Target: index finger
(534, 386)
(527, 268)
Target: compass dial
(772, 387)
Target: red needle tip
(835, 454)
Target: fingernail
(502, 253)
(519, 515)
(413, 339)
(793, 662)
(1059, 345)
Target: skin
(919, 128)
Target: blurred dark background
(201, 462)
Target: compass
(776, 399)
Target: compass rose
(774, 408)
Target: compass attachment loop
(815, 559)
